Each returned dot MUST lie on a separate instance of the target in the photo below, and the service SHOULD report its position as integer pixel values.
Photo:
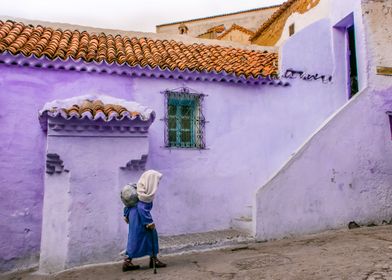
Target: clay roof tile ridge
(140, 52)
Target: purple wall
(344, 172)
(23, 93)
(251, 132)
(82, 212)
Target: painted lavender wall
(335, 12)
(23, 93)
(343, 173)
(251, 132)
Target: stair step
(244, 224)
(202, 241)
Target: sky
(135, 15)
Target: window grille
(184, 119)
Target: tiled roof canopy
(18, 38)
(96, 108)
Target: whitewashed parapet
(94, 147)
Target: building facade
(213, 26)
(342, 173)
(84, 113)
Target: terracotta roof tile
(274, 16)
(236, 27)
(18, 38)
(95, 108)
(218, 28)
(212, 32)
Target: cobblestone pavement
(364, 253)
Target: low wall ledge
(92, 115)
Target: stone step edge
(233, 243)
(205, 246)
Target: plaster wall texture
(251, 20)
(299, 56)
(251, 131)
(55, 226)
(23, 143)
(342, 173)
(248, 138)
(379, 14)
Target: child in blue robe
(142, 235)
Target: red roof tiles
(274, 16)
(18, 38)
(95, 108)
(218, 28)
(236, 27)
(212, 32)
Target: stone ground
(364, 253)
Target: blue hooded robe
(141, 241)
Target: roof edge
(236, 27)
(61, 108)
(284, 7)
(220, 15)
(187, 40)
(43, 62)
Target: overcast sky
(135, 15)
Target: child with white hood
(142, 235)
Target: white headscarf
(148, 185)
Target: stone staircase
(202, 241)
(241, 232)
(244, 223)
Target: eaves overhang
(79, 65)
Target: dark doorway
(353, 68)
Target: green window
(184, 121)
